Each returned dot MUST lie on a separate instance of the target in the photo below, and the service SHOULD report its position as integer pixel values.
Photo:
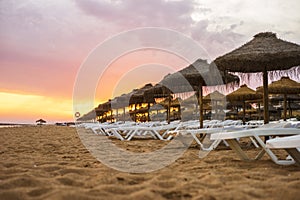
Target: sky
(44, 43)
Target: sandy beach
(50, 162)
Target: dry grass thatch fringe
(252, 78)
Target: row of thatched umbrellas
(264, 53)
(191, 78)
(284, 86)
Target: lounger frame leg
(271, 154)
(295, 154)
(234, 145)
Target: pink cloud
(137, 13)
(217, 43)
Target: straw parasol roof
(191, 101)
(172, 103)
(88, 116)
(139, 97)
(216, 101)
(196, 75)
(105, 106)
(215, 96)
(262, 54)
(283, 86)
(40, 121)
(158, 91)
(265, 50)
(243, 94)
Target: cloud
(216, 42)
(137, 13)
(176, 15)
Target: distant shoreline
(14, 124)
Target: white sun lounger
(140, 130)
(290, 143)
(256, 133)
(208, 131)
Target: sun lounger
(210, 127)
(291, 144)
(276, 129)
(156, 132)
(205, 133)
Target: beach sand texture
(49, 162)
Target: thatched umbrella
(160, 91)
(213, 98)
(169, 103)
(283, 86)
(139, 98)
(291, 99)
(40, 121)
(89, 116)
(193, 77)
(121, 102)
(262, 54)
(243, 94)
(104, 109)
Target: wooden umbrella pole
(284, 107)
(168, 110)
(111, 116)
(117, 114)
(244, 112)
(265, 96)
(290, 110)
(201, 106)
(148, 111)
(124, 114)
(259, 113)
(134, 114)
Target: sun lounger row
(212, 135)
(256, 134)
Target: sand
(49, 162)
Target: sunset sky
(44, 42)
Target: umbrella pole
(201, 106)
(290, 110)
(265, 99)
(265, 96)
(259, 113)
(124, 114)
(169, 113)
(284, 107)
(148, 111)
(111, 116)
(244, 112)
(134, 114)
(117, 114)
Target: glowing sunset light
(43, 43)
(27, 108)
(134, 69)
